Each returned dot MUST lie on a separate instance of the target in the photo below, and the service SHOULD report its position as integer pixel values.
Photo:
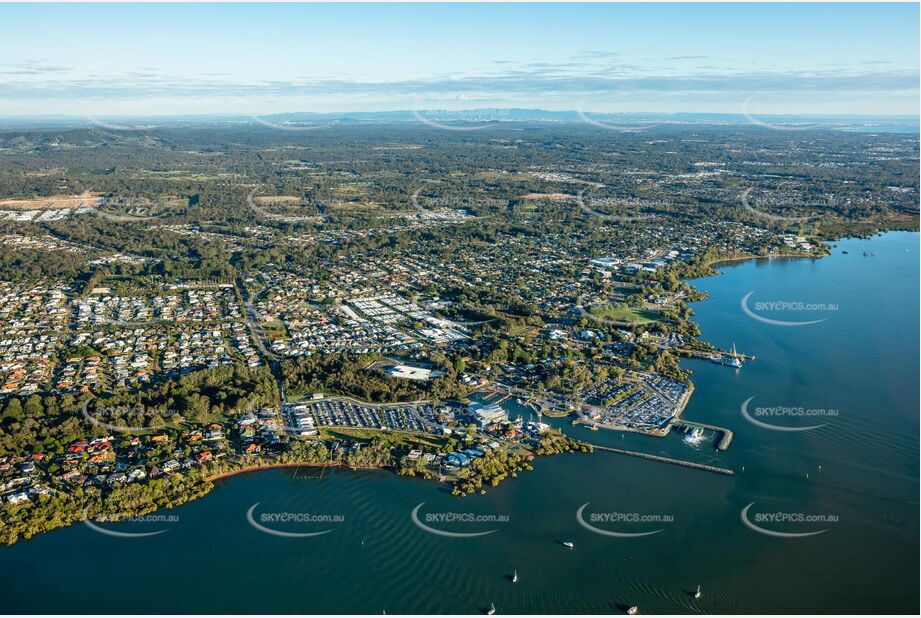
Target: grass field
(624, 314)
(274, 329)
(397, 438)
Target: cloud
(567, 85)
(33, 67)
(598, 54)
(539, 78)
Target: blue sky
(106, 59)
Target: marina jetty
(668, 460)
(725, 434)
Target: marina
(725, 435)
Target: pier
(707, 354)
(675, 462)
(726, 435)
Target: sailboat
(515, 577)
(492, 609)
(732, 360)
(569, 544)
(697, 594)
(633, 610)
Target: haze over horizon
(129, 60)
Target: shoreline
(274, 466)
(786, 256)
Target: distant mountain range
(464, 117)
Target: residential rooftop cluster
(56, 341)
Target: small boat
(569, 544)
(697, 594)
(515, 577)
(695, 436)
(633, 610)
(492, 609)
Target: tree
(34, 407)
(13, 411)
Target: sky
(143, 59)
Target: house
(455, 459)
(18, 498)
(77, 446)
(137, 474)
(118, 478)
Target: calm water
(861, 467)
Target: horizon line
(453, 111)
